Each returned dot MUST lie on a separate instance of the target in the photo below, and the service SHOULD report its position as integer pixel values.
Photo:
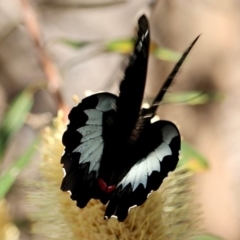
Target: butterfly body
(112, 150)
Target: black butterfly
(112, 150)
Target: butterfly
(112, 150)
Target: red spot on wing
(104, 187)
(102, 184)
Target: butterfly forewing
(133, 84)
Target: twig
(49, 68)
(86, 4)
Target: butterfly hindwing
(148, 173)
(84, 143)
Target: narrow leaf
(206, 237)
(192, 97)
(14, 117)
(81, 4)
(124, 46)
(166, 54)
(75, 44)
(8, 177)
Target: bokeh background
(213, 65)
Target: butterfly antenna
(170, 78)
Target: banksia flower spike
(169, 214)
(7, 229)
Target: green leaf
(14, 117)
(75, 44)
(191, 159)
(189, 98)
(124, 46)
(206, 237)
(166, 54)
(192, 97)
(8, 177)
(80, 4)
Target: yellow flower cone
(8, 231)
(168, 214)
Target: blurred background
(53, 49)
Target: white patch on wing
(105, 103)
(64, 172)
(146, 33)
(95, 158)
(89, 132)
(169, 132)
(162, 151)
(91, 151)
(141, 176)
(152, 163)
(70, 193)
(88, 147)
(140, 171)
(136, 175)
(114, 216)
(94, 117)
(131, 208)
